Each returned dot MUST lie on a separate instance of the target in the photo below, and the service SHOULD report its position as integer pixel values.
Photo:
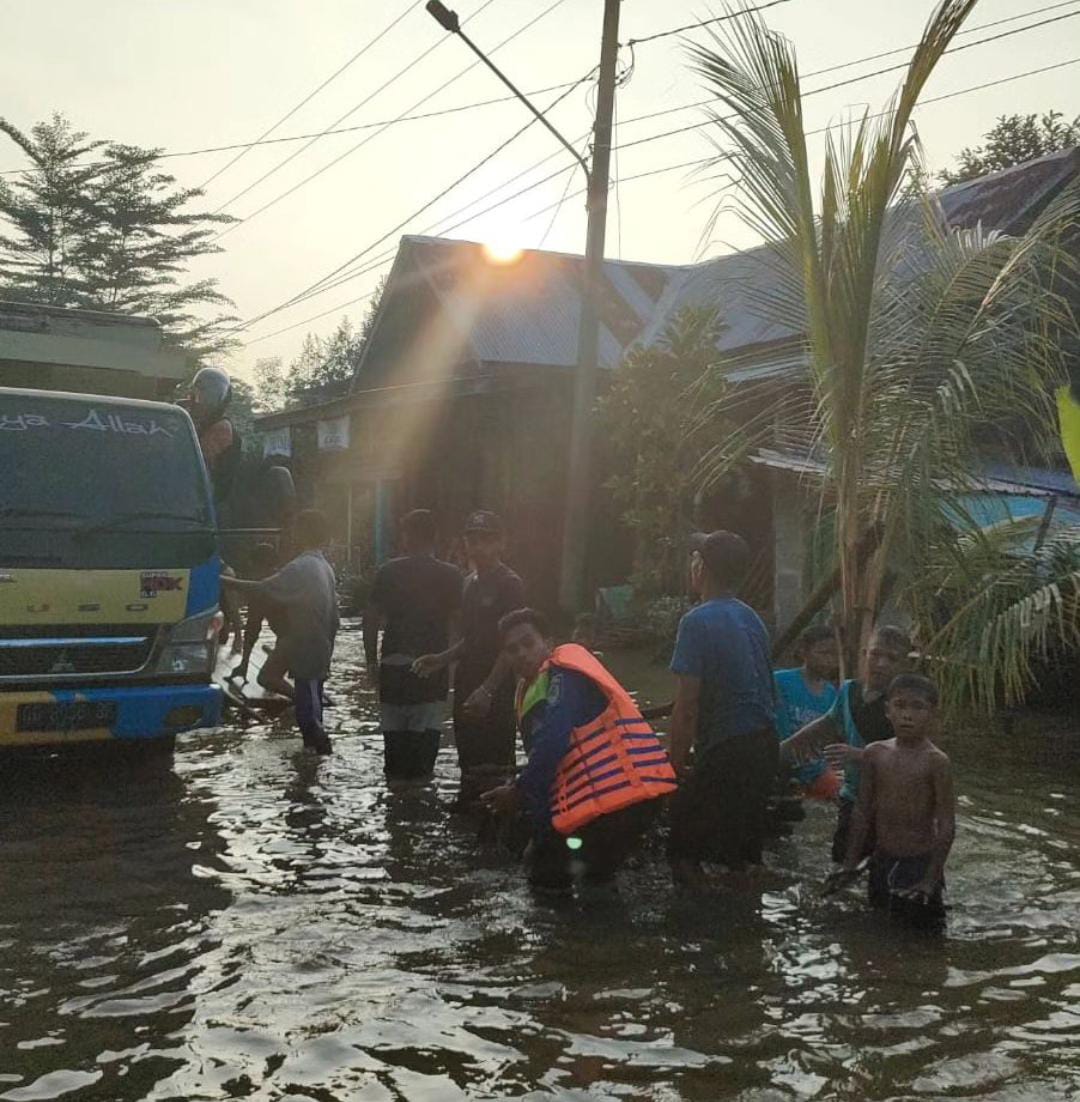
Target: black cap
(726, 555)
(484, 521)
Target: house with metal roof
(462, 396)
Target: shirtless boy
(906, 800)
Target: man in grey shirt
(305, 590)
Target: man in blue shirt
(725, 710)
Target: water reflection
(273, 926)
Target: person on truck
(211, 390)
(305, 590)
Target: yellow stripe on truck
(92, 596)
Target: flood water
(259, 924)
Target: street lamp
(576, 516)
(449, 21)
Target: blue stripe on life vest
(651, 788)
(643, 759)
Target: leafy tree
(111, 232)
(658, 436)
(324, 368)
(1012, 140)
(269, 383)
(907, 362)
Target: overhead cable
(370, 137)
(311, 95)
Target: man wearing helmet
(211, 390)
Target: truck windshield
(100, 485)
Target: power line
(377, 262)
(698, 125)
(410, 5)
(442, 112)
(352, 111)
(866, 76)
(419, 103)
(821, 130)
(314, 288)
(868, 58)
(704, 23)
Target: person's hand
(478, 706)
(427, 664)
(840, 755)
(839, 879)
(920, 893)
(503, 800)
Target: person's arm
(862, 815)
(429, 664)
(479, 702)
(944, 828)
(241, 585)
(809, 741)
(684, 719)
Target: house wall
(790, 511)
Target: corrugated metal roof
(1008, 200)
(528, 312)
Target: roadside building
(462, 399)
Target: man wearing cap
(484, 720)
(725, 710)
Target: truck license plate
(77, 715)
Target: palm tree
(917, 339)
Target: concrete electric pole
(579, 465)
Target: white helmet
(211, 390)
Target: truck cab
(109, 572)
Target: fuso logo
(151, 584)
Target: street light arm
(449, 21)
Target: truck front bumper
(65, 716)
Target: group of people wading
(597, 777)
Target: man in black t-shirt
(484, 720)
(415, 597)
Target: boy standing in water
(858, 718)
(906, 803)
(804, 694)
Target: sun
(502, 248)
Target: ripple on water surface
(258, 924)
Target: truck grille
(60, 652)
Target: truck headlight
(191, 645)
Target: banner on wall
(334, 434)
(277, 442)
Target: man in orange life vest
(596, 768)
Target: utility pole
(579, 466)
(578, 473)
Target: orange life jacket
(614, 761)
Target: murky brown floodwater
(259, 924)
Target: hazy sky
(187, 74)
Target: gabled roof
(527, 311)
(1011, 199)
